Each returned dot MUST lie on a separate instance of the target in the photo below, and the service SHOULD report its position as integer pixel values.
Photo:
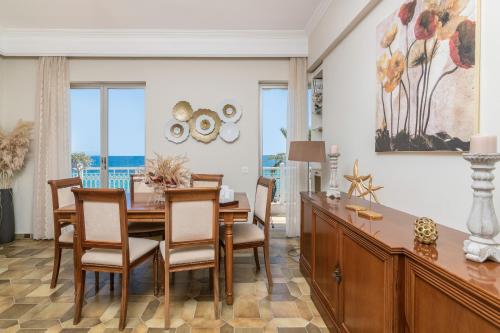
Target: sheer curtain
(297, 128)
(52, 141)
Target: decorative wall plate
(204, 125)
(229, 132)
(182, 111)
(176, 131)
(229, 111)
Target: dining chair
(103, 244)
(140, 192)
(256, 234)
(206, 180)
(62, 196)
(191, 237)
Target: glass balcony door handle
(104, 163)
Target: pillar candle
(334, 149)
(483, 144)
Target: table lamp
(307, 151)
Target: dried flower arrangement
(13, 149)
(162, 172)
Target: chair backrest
(263, 200)
(62, 196)
(139, 190)
(101, 220)
(191, 217)
(206, 180)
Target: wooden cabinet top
(394, 234)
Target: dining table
(146, 209)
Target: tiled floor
(27, 304)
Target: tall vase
(7, 225)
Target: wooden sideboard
(370, 276)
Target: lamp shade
(307, 151)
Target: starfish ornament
(370, 189)
(356, 181)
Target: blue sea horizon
(139, 161)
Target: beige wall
(204, 83)
(434, 185)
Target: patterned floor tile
(27, 304)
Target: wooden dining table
(145, 210)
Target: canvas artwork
(426, 77)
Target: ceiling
(157, 14)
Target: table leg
(228, 255)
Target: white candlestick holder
(484, 241)
(333, 185)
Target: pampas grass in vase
(164, 172)
(13, 149)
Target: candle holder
(484, 241)
(333, 185)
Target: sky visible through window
(125, 122)
(274, 109)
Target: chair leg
(155, 273)
(96, 277)
(80, 295)
(166, 296)
(124, 301)
(210, 277)
(111, 281)
(268, 267)
(57, 264)
(256, 257)
(215, 279)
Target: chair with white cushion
(140, 192)
(256, 234)
(103, 245)
(206, 180)
(191, 236)
(63, 230)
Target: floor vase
(7, 225)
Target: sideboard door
(326, 263)
(434, 304)
(306, 238)
(367, 287)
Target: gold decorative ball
(426, 230)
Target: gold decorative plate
(182, 111)
(204, 125)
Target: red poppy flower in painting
(426, 25)
(463, 44)
(407, 11)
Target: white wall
(18, 102)
(424, 184)
(336, 22)
(204, 83)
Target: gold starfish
(370, 189)
(356, 180)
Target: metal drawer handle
(337, 275)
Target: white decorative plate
(205, 124)
(229, 111)
(176, 131)
(229, 132)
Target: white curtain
(297, 128)
(52, 141)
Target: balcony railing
(278, 173)
(118, 177)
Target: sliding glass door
(107, 133)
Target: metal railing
(118, 177)
(278, 173)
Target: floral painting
(426, 77)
